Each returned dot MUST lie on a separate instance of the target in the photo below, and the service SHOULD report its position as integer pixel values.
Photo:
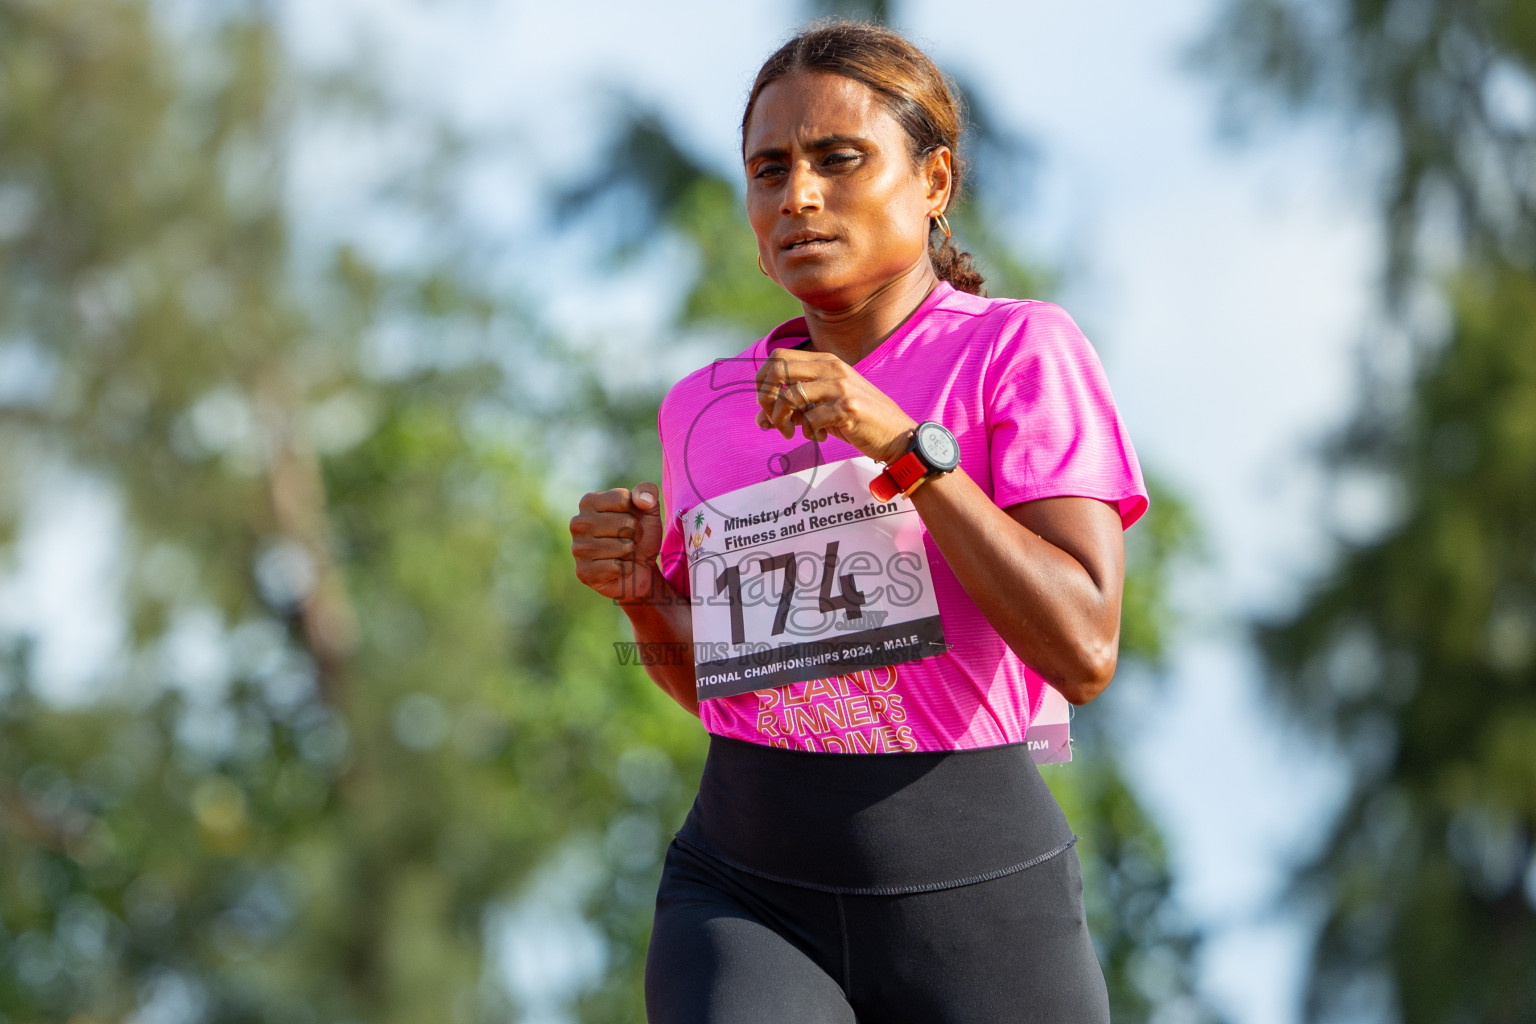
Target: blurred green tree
(362, 698)
(1148, 954)
(1417, 651)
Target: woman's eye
(768, 170)
(841, 158)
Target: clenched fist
(615, 539)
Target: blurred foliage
(1417, 652)
(854, 10)
(1447, 83)
(362, 697)
(1148, 954)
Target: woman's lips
(807, 243)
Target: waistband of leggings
(874, 823)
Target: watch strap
(908, 472)
(898, 477)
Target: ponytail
(955, 266)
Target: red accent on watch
(898, 476)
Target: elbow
(1092, 669)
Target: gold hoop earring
(938, 215)
(760, 264)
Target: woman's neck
(854, 332)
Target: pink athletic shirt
(1025, 396)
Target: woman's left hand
(823, 395)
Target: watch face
(937, 447)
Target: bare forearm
(1045, 603)
(667, 619)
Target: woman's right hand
(615, 539)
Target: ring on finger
(800, 390)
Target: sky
(1227, 290)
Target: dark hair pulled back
(913, 89)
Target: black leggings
(730, 946)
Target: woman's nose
(802, 190)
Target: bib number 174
(849, 599)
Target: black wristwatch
(932, 451)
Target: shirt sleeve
(1052, 426)
(674, 564)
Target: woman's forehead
(806, 107)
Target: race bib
(806, 576)
(1050, 732)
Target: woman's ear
(939, 170)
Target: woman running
(891, 524)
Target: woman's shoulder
(1022, 328)
(1007, 314)
(1005, 320)
(1032, 348)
